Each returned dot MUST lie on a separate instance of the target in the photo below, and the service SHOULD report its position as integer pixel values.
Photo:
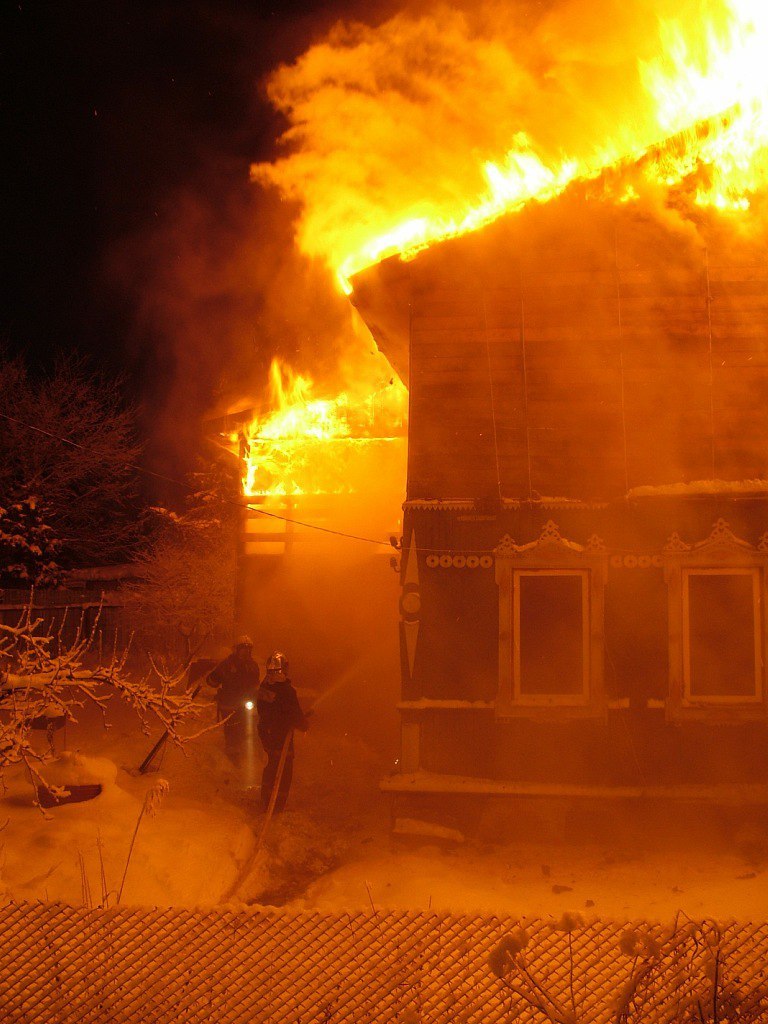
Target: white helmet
(277, 662)
(243, 641)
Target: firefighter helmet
(277, 662)
(243, 641)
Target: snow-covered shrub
(29, 547)
(509, 962)
(68, 483)
(184, 592)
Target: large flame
(309, 445)
(725, 79)
(413, 104)
(389, 128)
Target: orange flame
(308, 445)
(686, 71)
(694, 121)
(727, 78)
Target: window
(551, 611)
(716, 627)
(721, 636)
(551, 631)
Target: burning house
(581, 322)
(585, 540)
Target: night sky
(111, 108)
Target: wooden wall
(451, 692)
(583, 359)
(576, 350)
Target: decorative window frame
(721, 553)
(551, 555)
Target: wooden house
(585, 535)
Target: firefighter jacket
(279, 712)
(236, 680)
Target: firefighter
(236, 681)
(279, 714)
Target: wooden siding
(457, 662)
(577, 350)
(586, 365)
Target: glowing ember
(308, 445)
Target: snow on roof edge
(755, 486)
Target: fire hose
(248, 866)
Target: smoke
(203, 265)
(384, 117)
(222, 290)
(397, 122)
(381, 122)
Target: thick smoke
(386, 116)
(397, 121)
(222, 290)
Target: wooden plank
(675, 312)
(467, 336)
(744, 329)
(739, 285)
(447, 322)
(505, 360)
(664, 337)
(664, 294)
(574, 392)
(747, 361)
(657, 275)
(460, 379)
(577, 336)
(681, 364)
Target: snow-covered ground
(331, 850)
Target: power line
(187, 486)
(285, 519)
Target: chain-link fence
(61, 965)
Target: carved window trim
(551, 555)
(726, 554)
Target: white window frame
(724, 553)
(579, 699)
(690, 699)
(551, 555)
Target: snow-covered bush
(685, 961)
(184, 594)
(509, 962)
(68, 486)
(29, 547)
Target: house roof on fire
(584, 347)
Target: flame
(521, 177)
(308, 445)
(693, 122)
(695, 101)
(725, 79)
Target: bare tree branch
(40, 680)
